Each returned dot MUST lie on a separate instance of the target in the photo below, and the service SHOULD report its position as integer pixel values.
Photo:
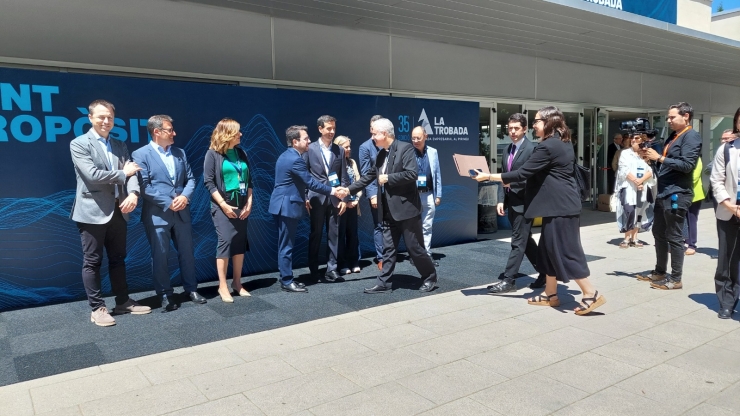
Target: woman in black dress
(551, 193)
(229, 181)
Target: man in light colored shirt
(428, 183)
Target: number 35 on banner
(403, 124)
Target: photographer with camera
(675, 194)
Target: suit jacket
(514, 199)
(368, 154)
(95, 200)
(159, 190)
(724, 178)
(436, 174)
(316, 167)
(551, 189)
(400, 190)
(291, 181)
(610, 152)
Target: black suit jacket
(514, 199)
(316, 167)
(610, 152)
(551, 189)
(400, 190)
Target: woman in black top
(228, 179)
(551, 193)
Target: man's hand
(342, 207)
(374, 202)
(130, 168)
(500, 209)
(245, 213)
(383, 179)
(341, 192)
(650, 154)
(129, 204)
(437, 201)
(308, 205)
(179, 203)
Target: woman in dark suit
(228, 179)
(551, 193)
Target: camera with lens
(640, 126)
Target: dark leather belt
(423, 190)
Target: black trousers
(412, 233)
(728, 263)
(349, 241)
(668, 233)
(112, 237)
(522, 244)
(321, 215)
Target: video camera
(640, 126)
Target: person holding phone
(228, 179)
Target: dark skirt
(232, 233)
(559, 252)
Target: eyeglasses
(538, 119)
(169, 130)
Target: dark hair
(325, 119)
(375, 118)
(157, 122)
(104, 103)
(735, 129)
(683, 109)
(518, 118)
(294, 133)
(554, 121)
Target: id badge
(242, 189)
(421, 181)
(333, 179)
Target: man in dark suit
(287, 202)
(610, 153)
(327, 165)
(107, 191)
(512, 198)
(167, 184)
(399, 206)
(368, 154)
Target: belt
(423, 190)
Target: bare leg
(222, 266)
(236, 266)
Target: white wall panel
(330, 55)
(436, 67)
(725, 99)
(660, 91)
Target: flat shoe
(589, 304)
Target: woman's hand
(228, 209)
(245, 213)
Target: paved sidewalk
(647, 352)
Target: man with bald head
(428, 183)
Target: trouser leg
(428, 208)
(159, 240)
(182, 236)
(115, 248)
(659, 233)
(92, 237)
(377, 234)
(728, 261)
(414, 236)
(391, 237)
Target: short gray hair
(384, 125)
(157, 122)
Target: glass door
(602, 139)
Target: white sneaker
(356, 269)
(101, 317)
(345, 271)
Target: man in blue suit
(368, 153)
(288, 199)
(167, 185)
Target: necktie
(511, 157)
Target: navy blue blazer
(316, 167)
(291, 181)
(157, 188)
(368, 154)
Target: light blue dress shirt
(167, 159)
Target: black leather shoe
(169, 304)
(428, 286)
(502, 286)
(539, 283)
(333, 277)
(293, 287)
(724, 314)
(195, 297)
(378, 289)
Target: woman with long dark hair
(551, 193)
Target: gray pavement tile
(615, 402)
(301, 393)
(342, 328)
(236, 405)
(288, 339)
(461, 407)
(730, 341)
(516, 359)
(239, 378)
(16, 402)
(638, 351)
(682, 334)
(388, 399)
(551, 319)
(8, 375)
(708, 319)
(58, 360)
(529, 395)
(67, 411)
(570, 341)
(187, 365)
(676, 388)
(383, 368)
(705, 409)
(155, 400)
(710, 362)
(459, 320)
(615, 325)
(729, 399)
(589, 372)
(409, 313)
(394, 337)
(329, 354)
(638, 294)
(459, 378)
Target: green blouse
(231, 173)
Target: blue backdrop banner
(663, 10)
(41, 112)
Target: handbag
(583, 180)
(613, 201)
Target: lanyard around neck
(665, 149)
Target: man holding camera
(675, 192)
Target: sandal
(589, 304)
(624, 244)
(543, 300)
(636, 244)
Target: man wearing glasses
(167, 185)
(511, 197)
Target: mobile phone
(473, 173)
